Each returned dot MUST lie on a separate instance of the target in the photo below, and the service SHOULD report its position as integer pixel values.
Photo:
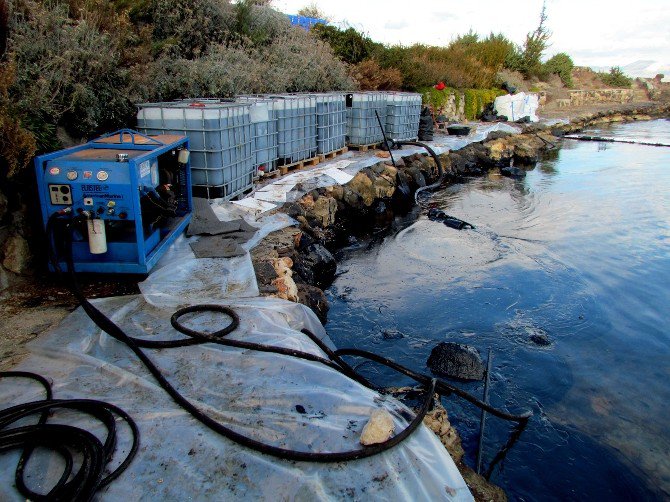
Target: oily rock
(456, 360)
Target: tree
(312, 10)
(535, 45)
(561, 64)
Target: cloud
(444, 16)
(396, 25)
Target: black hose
(84, 456)
(435, 157)
(135, 344)
(334, 361)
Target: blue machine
(133, 195)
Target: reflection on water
(566, 278)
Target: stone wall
(596, 96)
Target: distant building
(305, 22)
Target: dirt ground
(40, 303)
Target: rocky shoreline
(298, 263)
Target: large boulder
(456, 360)
(17, 255)
(320, 211)
(316, 265)
(362, 185)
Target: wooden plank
(365, 148)
(299, 165)
(333, 154)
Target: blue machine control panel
(137, 189)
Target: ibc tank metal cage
(362, 125)
(220, 136)
(403, 110)
(296, 125)
(331, 122)
(264, 133)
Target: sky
(596, 33)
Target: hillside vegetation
(76, 68)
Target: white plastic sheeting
(342, 170)
(254, 393)
(257, 394)
(517, 106)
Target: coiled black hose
(195, 337)
(82, 477)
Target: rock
(362, 185)
(4, 203)
(286, 288)
(319, 211)
(315, 299)
(316, 265)
(5, 278)
(540, 338)
(378, 429)
(336, 191)
(500, 150)
(456, 360)
(392, 334)
(384, 186)
(513, 172)
(17, 255)
(437, 420)
(265, 272)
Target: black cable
(442, 387)
(107, 325)
(438, 164)
(84, 456)
(334, 361)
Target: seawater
(578, 253)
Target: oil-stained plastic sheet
(181, 277)
(280, 400)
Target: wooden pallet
(365, 148)
(272, 174)
(331, 155)
(298, 165)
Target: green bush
(561, 64)
(477, 99)
(68, 73)
(349, 45)
(616, 78)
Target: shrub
(349, 45)
(17, 145)
(561, 64)
(68, 73)
(477, 99)
(616, 78)
(372, 77)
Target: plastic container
(220, 136)
(331, 122)
(362, 124)
(296, 125)
(265, 135)
(403, 110)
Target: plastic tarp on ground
(517, 106)
(257, 394)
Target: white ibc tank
(220, 140)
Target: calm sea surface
(577, 252)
